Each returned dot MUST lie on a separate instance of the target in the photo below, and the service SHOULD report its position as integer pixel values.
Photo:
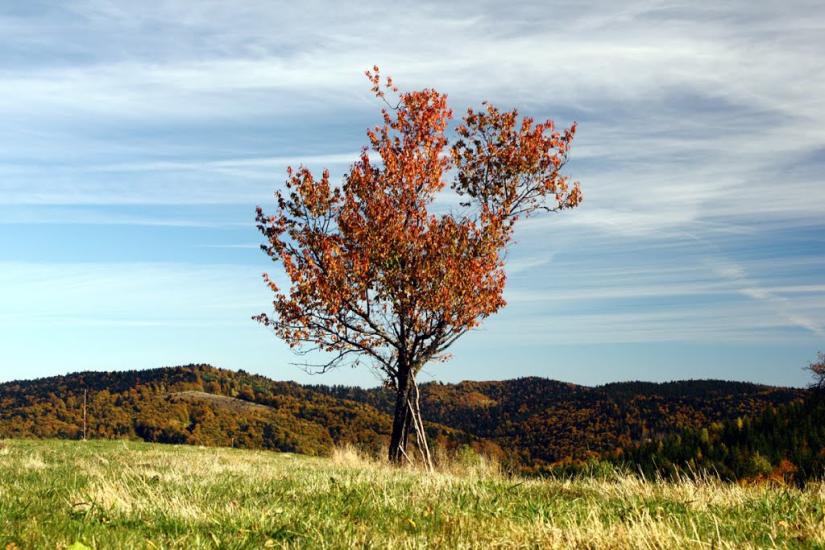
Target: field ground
(134, 495)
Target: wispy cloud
(784, 307)
(240, 246)
(701, 149)
(70, 215)
(157, 294)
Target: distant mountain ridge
(527, 422)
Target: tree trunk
(402, 419)
(418, 424)
(408, 418)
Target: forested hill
(785, 443)
(537, 421)
(544, 421)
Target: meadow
(118, 494)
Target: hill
(538, 421)
(198, 405)
(105, 494)
(782, 444)
(543, 421)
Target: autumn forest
(531, 425)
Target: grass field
(132, 495)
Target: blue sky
(138, 137)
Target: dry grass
(118, 495)
(350, 457)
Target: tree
(817, 369)
(375, 277)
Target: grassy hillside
(138, 495)
(537, 421)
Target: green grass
(136, 495)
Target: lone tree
(817, 369)
(375, 277)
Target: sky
(137, 138)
